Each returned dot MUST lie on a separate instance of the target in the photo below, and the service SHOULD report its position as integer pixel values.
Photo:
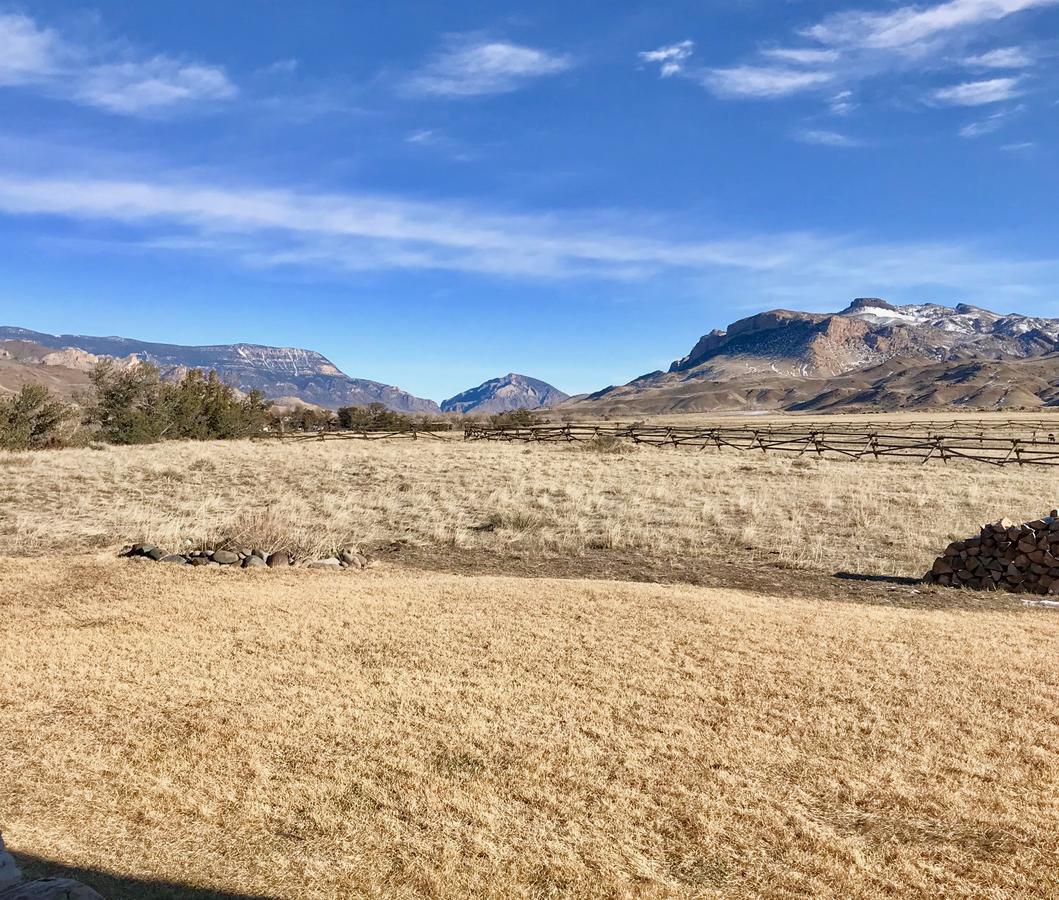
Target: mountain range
(870, 355)
(283, 374)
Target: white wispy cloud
(764, 82)
(471, 67)
(671, 58)
(809, 56)
(830, 58)
(824, 138)
(989, 124)
(27, 52)
(116, 81)
(842, 103)
(909, 27)
(1001, 58)
(344, 232)
(978, 93)
(1020, 147)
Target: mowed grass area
(308, 735)
(872, 517)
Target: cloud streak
(978, 93)
(281, 228)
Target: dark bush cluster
(135, 406)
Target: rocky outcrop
(503, 394)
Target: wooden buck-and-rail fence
(997, 443)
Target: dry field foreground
(554, 501)
(311, 735)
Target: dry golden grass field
(552, 500)
(303, 734)
(407, 731)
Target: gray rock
(253, 562)
(201, 561)
(157, 553)
(278, 560)
(329, 563)
(174, 558)
(225, 557)
(259, 553)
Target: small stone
(278, 560)
(225, 557)
(252, 562)
(329, 563)
(199, 561)
(157, 553)
(175, 558)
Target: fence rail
(996, 443)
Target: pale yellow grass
(866, 516)
(306, 735)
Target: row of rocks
(247, 558)
(1004, 556)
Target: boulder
(157, 553)
(329, 563)
(279, 559)
(175, 558)
(253, 562)
(225, 557)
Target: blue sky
(433, 194)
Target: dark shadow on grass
(123, 887)
(879, 579)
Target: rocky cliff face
(870, 355)
(504, 394)
(276, 371)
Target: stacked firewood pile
(1004, 556)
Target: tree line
(136, 405)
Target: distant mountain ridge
(286, 372)
(870, 355)
(506, 393)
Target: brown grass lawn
(311, 735)
(884, 518)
